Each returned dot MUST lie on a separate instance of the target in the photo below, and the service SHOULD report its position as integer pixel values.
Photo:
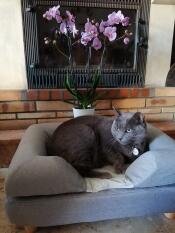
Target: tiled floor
(156, 224)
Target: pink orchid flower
(90, 28)
(70, 16)
(63, 28)
(53, 13)
(86, 37)
(125, 22)
(110, 32)
(90, 33)
(96, 43)
(58, 18)
(115, 18)
(72, 28)
(103, 25)
(47, 15)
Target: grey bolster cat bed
(45, 190)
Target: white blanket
(117, 181)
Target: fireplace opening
(118, 55)
(124, 65)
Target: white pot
(83, 112)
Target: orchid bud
(126, 40)
(47, 42)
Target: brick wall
(19, 109)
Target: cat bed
(33, 173)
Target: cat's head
(129, 128)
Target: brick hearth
(19, 109)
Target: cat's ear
(140, 118)
(117, 111)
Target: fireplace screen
(124, 65)
(118, 55)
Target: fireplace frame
(43, 78)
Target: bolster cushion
(157, 166)
(33, 173)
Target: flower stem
(88, 65)
(62, 53)
(70, 51)
(121, 37)
(102, 56)
(76, 42)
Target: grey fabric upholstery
(154, 168)
(89, 207)
(33, 173)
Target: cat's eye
(128, 130)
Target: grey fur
(93, 141)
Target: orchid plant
(95, 35)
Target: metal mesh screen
(39, 77)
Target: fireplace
(124, 65)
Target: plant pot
(83, 112)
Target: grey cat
(91, 142)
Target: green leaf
(87, 97)
(96, 79)
(68, 87)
